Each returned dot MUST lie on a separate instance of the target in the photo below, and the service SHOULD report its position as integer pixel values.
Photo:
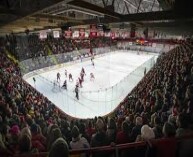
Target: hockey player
(66, 74)
(76, 90)
(145, 71)
(70, 77)
(82, 76)
(83, 71)
(34, 80)
(92, 62)
(64, 85)
(92, 77)
(58, 77)
(80, 82)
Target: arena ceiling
(20, 15)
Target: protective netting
(116, 93)
(92, 102)
(112, 95)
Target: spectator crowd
(31, 46)
(160, 106)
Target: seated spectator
(137, 128)
(26, 131)
(183, 120)
(146, 134)
(99, 138)
(90, 130)
(66, 131)
(3, 142)
(168, 146)
(185, 146)
(130, 121)
(111, 130)
(82, 131)
(54, 135)
(78, 141)
(25, 145)
(157, 127)
(14, 138)
(59, 149)
(169, 130)
(123, 135)
(38, 140)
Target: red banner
(112, 35)
(117, 34)
(68, 34)
(100, 34)
(81, 32)
(75, 34)
(107, 34)
(93, 30)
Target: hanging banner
(127, 34)
(93, 30)
(154, 45)
(86, 34)
(68, 34)
(43, 35)
(117, 34)
(56, 34)
(100, 33)
(123, 35)
(75, 34)
(81, 32)
(113, 35)
(107, 34)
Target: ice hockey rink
(116, 74)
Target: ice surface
(98, 97)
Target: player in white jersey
(92, 77)
(70, 77)
(66, 74)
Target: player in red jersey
(80, 82)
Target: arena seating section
(155, 119)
